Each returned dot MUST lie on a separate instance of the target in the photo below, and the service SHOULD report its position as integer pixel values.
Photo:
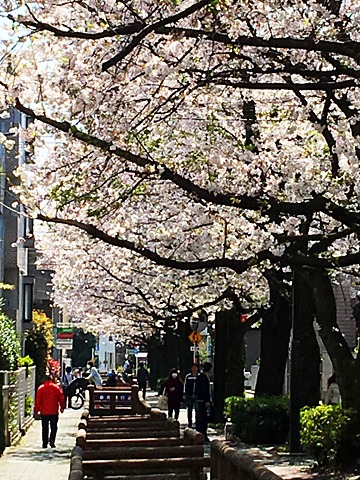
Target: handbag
(162, 403)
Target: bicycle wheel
(77, 401)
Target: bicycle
(77, 400)
(76, 392)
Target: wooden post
(91, 390)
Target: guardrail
(17, 389)
(116, 401)
(230, 464)
(144, 443)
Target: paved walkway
(29, 461)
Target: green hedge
(259, 420)
(9, 344)
(331, 434)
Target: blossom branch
(152, 28)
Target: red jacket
(49, 397)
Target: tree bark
(229, 360)
(155, 361)
(309, 351)
(346, 366)
(275, 337)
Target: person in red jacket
(49, 398)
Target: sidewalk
(29, 461)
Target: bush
(37, 349)
(9, 344)
(25, 361)
(259, 420)
(330, 434)
(29, 402)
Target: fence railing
(230, 464)
(18, 393)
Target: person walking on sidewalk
(49, 398)
(189, 391)
(203, 399)
(173, 387)
(142, 378)
(67, 378)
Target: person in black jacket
(142, 378)
(203, 399)
(189, 391)
(173, 387)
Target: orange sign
(195, 337)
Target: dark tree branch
(326, 134)
(348, 48)
(326, 86)
(238, 266)
(152, 28)
(267, 205)
(66, 127)
(313, 238)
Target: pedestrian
(94, 376)
(49, 398)
(142, 378)
(111, 379)
(203, 399)
(173, 387)
(332, 396)
(189, 391)
(128, 370)
(67, 378)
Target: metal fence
(18, 395)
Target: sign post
(195, 338)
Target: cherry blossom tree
(199, 135)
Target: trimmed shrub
(259, 420)
(331, 435)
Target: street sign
(194, 349)
(64, 333)
(195, 337)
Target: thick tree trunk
(155, 361)
(229, 358)
(347, 367)
(220, 365)
(172, 351)
(309, 350)
(275, 337)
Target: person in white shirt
(94, 376)
(332, 396)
